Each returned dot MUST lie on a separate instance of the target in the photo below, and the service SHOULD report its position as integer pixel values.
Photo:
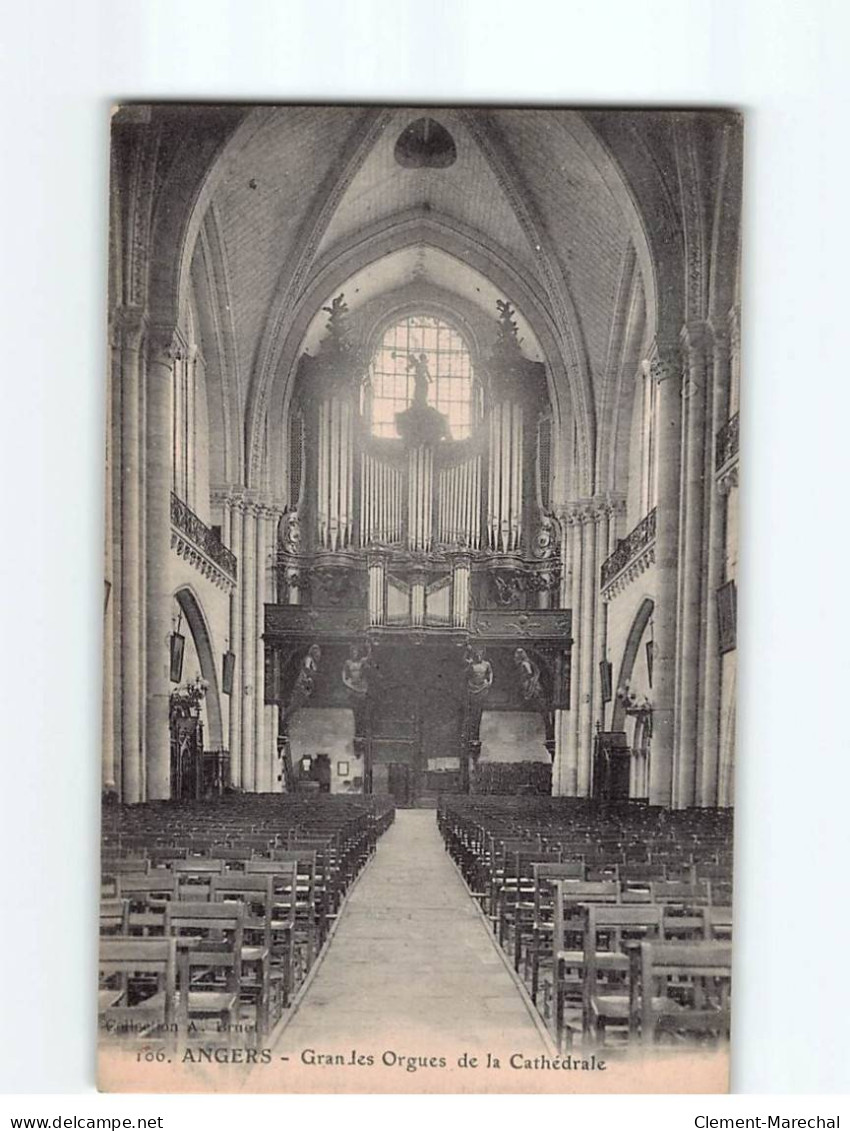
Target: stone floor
(412, 965)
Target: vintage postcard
(420, 599)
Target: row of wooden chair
(581, 917)
(247, 913)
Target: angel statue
(421, 378)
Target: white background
(786, 64)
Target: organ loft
(419, 556)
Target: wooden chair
(326, 887)
(126, 866)
(568, 940)
(610, 932)
(114, 916)
(209, 939)
(682, 893)
(194, 876)
(255, 895)
(234, 857)
(283, 875)
(147, 896)
(310, 913)
(137, 987)
(515, 898)
(540, 942)
(680, 992)
(719, 924)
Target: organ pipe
(335, 474)
(504, 481)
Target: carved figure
(532, 693)
(338, 329)
(355, 676)
(479, 673)
(507, 322)
(355, 670)
(306, 680)
(546, 539)
(479, 680)
(529, 678)
(421, 378)
(289, 532)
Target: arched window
(451, 390)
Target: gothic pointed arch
(197, 622)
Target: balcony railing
(629, 547)
(184, 519)
(726, 444)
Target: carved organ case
(419, 488)
(435, 519)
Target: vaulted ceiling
(605, 230)
(299, 187)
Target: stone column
(127, 378)
(575, 541)
(589, 597)
(715, 567)
(603, 528)
(665, 368)
(695, 339)
(262, 749)
(237, 514)
(249, 625)
(110, 574)
(163, 351)
(562, 717)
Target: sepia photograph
(419, 637)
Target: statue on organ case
(305, 682)
(532, 693)
(421, 378)
(479, 680)
(355, 676)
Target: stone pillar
(576, 529)
(562, 717)
(113, 448)
(237, 513)
(715, 566)
(163, 352)
(589, 596)
(665, 368)
(603, 528)
(248, 576)
(695, 341)
(127, 377)
(265, 732)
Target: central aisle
(412, 966)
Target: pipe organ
(419, 535)
(382, 505)
(504, 493)
(421, 497)
(459, 503)
(335, 474)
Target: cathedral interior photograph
(419, 597)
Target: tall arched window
(452, 389)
